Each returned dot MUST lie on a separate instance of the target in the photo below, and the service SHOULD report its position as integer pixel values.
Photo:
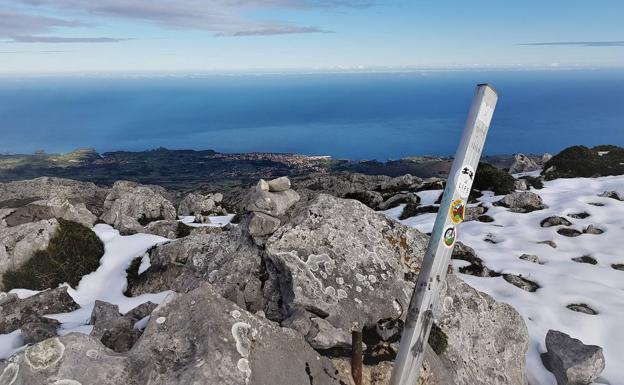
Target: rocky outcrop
(201, 205)
(130, 206)
(340, 260)
(228, 259)
(523, 163)
(613, 195)
(371, 199)
(555, 221)
(571, 361)
(19, 243)
(478, 328)
(16, 194)
(251, 350)
(74, 359)
(521, 202)
(18, 312)
(402, 183)
(115, 331)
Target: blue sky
(43, 36)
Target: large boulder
(17, 312)
(521, 202)
(15, 194)
(571, 361)
(487, 340)
(19, 243)
(402, 183)
(523, 163)
(202, 338)
(340, 260)
(54, 207)
(130, 206)
(73, 359)
(198, 204)
(228, 259)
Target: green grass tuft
(73, 251)
(438, 340)
(183, 230)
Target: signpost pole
(432, 277)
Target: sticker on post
(449, 236)
(464, 179)
(457, 211)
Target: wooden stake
(356, 357)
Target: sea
(345, 115)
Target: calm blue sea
(357, 116)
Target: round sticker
(464, 179)
(457, 211)
(449, 236)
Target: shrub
(183, 230)
(580, 161)
(493, 179)
(144, 221)
(73, 251)
(438, 340)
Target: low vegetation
(73, 251)
(493, 179)
(581, 161)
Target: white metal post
(432, 277)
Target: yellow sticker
(457, 211)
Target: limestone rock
(371, 199)
(474, 212)
(571, 361)
(227, 259)
(521, 202)
(194, 204)
(405, 182)
(555, 221)
(260, 224)
(18, 312)
(523, 163)
(591, 229)
(399, 199)
(176, 349)
(19, 243)
(530, 258)
(128, 204)
(167, 228)
(275, 204)
(337, 184)
(34, 332)
(339, 259)
(613, 195)
(475, 322)
(75, 192)
(521, 184)
(74, 359)
(279, 184)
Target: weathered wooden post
(432, 277)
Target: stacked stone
(267, 204)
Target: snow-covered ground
(107, 283)
(215, 221)
(561, 280)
